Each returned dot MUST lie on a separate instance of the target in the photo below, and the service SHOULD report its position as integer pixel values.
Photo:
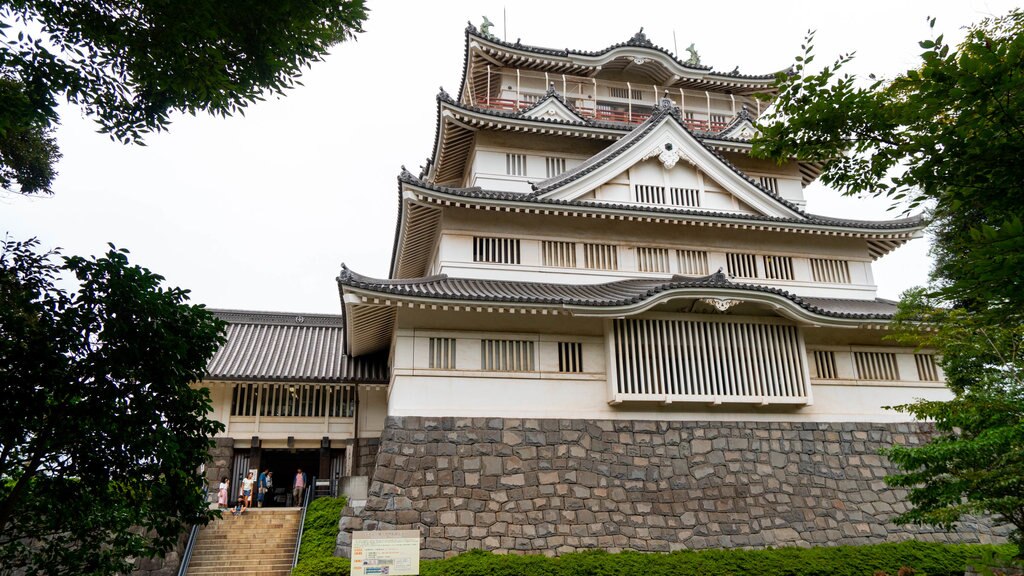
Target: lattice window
(601, 256)
(650, 194)
(515, 164)
(554, 166)
(570, 357)
(506, 355)
(684, 197)
(624, 93)
(927, 369)
(831, 271)
(496, 250)
(652, 259)
(825, 364)
(692, 262)
(560, 254)
(702, 360)
(778, 267)
(292, 400)
(876, 365)
(769, 183)
(741, 265)
(442, 353)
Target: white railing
(708, 360)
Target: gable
(664, 165)
(552, 108)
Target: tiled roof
(475, 192)
(607, 295)
(278, 346)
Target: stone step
(231, 562)
(260, 541)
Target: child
(239, 507)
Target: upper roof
(638, 53)
(289, 347)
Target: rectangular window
(692, 262)
(496, 250)
(625, 93)
(927, 370)
(652, 259)
(684, 197)
(825, 364)
(601, 256)
(649, 194)
(769, 183)
(515, 164)
(292, 400)
(442, 353)
(506, 355)
(741, 265)
(778, 267)
(559, 254)
(554, 166)
(570, 357)
(831, 271)
(876, 365)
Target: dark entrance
(283, 463)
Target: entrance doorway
(284, 463)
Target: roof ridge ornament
(485, 28)
(694, 59)
(551, 90)
(640, 39)
(442, 94)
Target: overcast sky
(259, 211)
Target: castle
(606, 325)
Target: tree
(946, 136)
(102, 435)
(130, 64)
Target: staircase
(260, 542)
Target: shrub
(319, 537)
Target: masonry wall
(557, 486)
(368, 449)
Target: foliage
(319, 538)
(130, 64)
(948, 135)
(102, 435)
(975, 462)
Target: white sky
(259, 211)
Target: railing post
(517, 89)
(682, 105)
(709, 110)
(488, 85)
(629, 102)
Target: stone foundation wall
(219, 465)
(368, 449)
(557, 486)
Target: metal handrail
(193, 535)
(310, 488)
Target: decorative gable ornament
(668, 154)
(720, 304)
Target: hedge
(902, 559)
(319, 537)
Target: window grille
(692, 262)
(876, 365)
(601, 256)
(927, 370)
(684, 197)
(554, 166)
(825, 364)
(704, 360)
(832, 271)
(652, 259)
(741, 265)
(570, 357)
(778, 267)
(650, 194)
(770, 183)
(560, 254)
(624, 93)
(506, 355)
(442, 353)
(515, 164)
(292, 400)
(496, 250)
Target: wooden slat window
(515, 164)
(554, 166)
(778, 267)
(692, 262)
(769, 183)
(831, 271)
(496, 250)
(601, 256)
(825, 364)
(684, 197)
(560, 254)
(646, 194)
(741, 265)
(292, 400)
(570, 357)
(876, 365)
(927, 370)
(506, 355)
(442, 353)
(652, 259)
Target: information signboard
(386, 552)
